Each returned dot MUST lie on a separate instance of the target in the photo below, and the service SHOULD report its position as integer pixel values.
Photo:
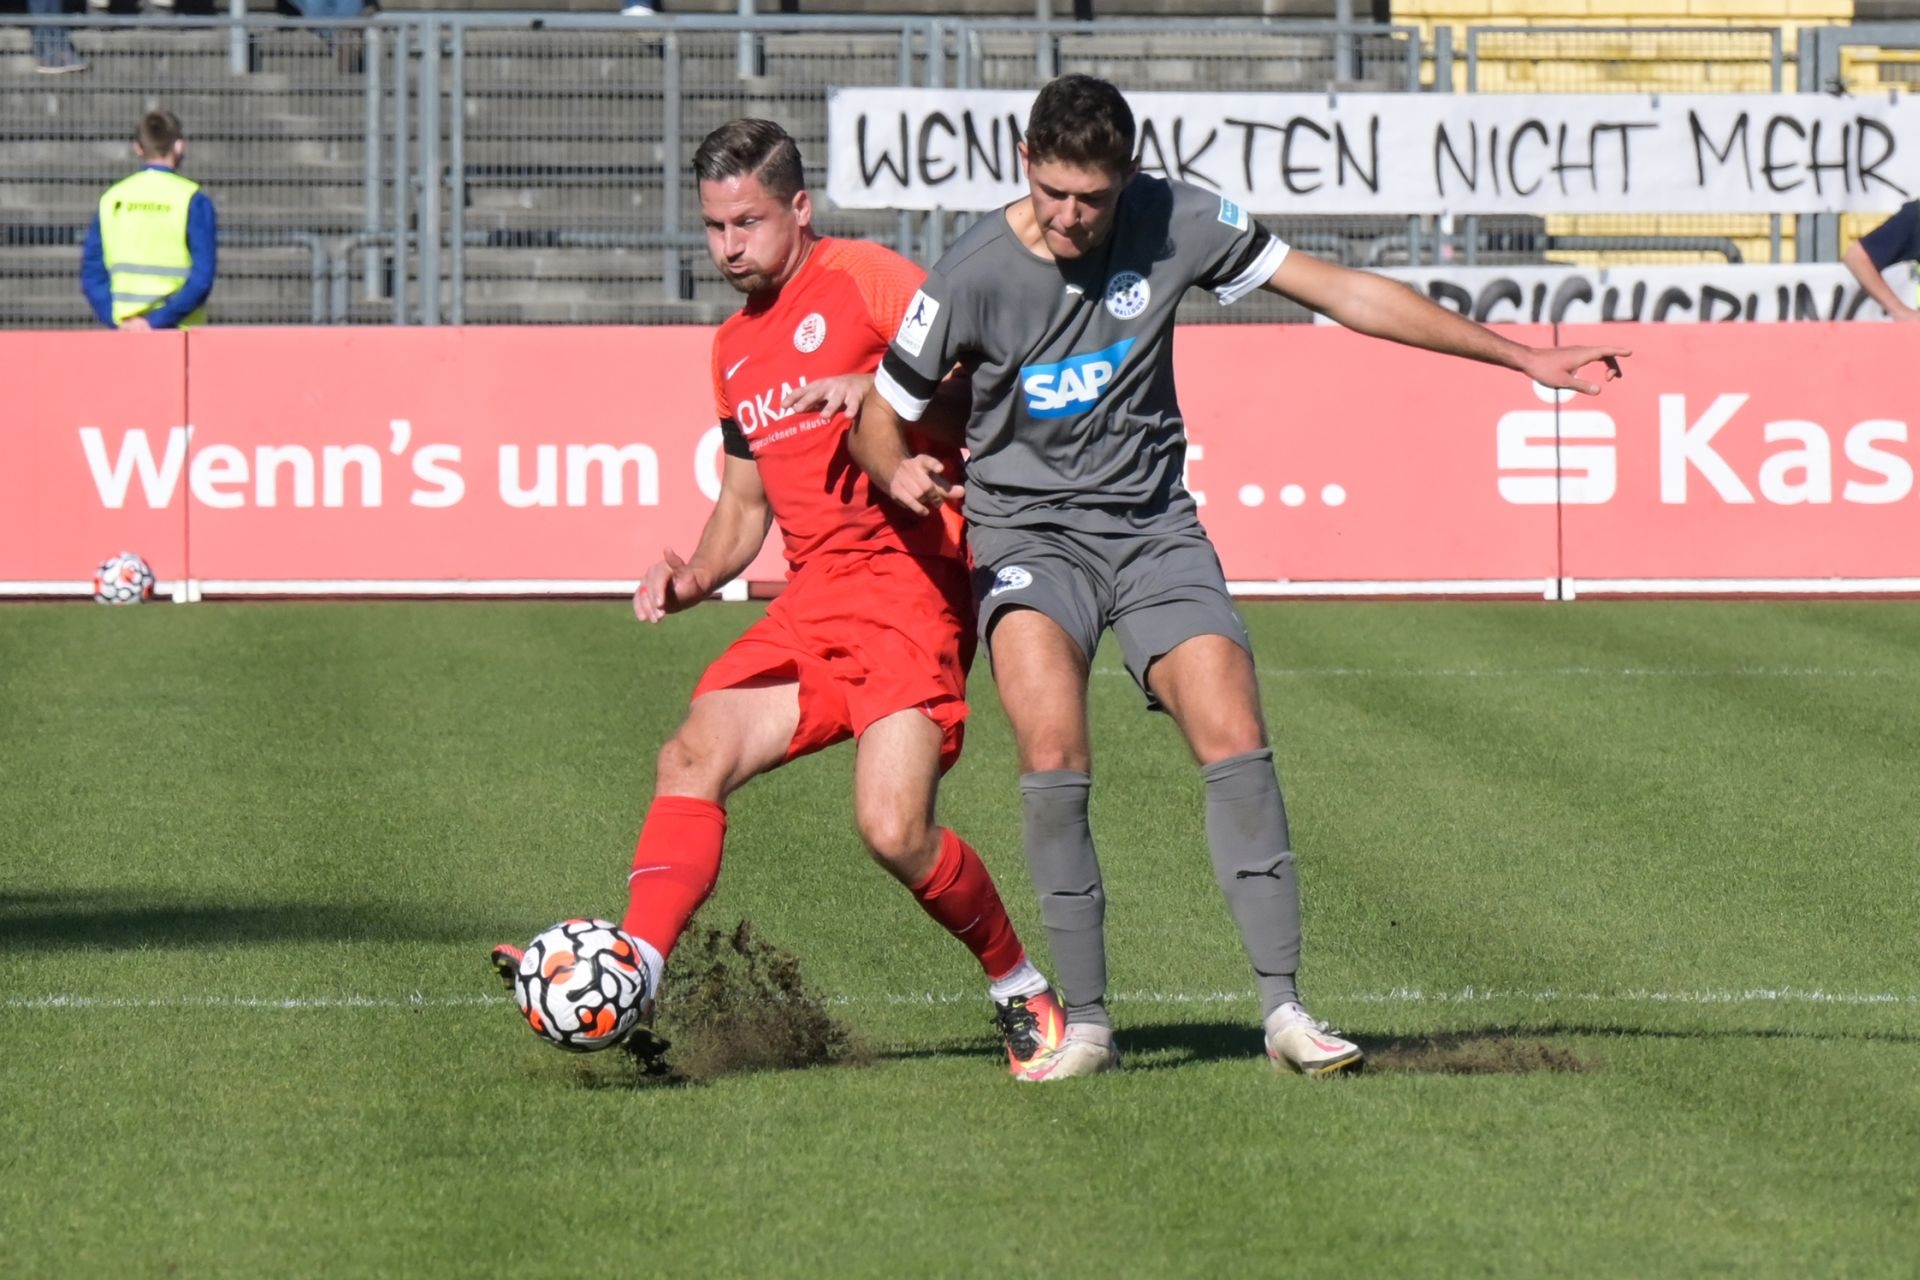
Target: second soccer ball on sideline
(123, 579)
(582, 985)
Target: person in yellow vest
(150, 255)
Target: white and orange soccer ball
(123, 579)
(582, 985)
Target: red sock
(674, 868)
(959, 894)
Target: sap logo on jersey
(1073, 384)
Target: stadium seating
(563, 156)
(565, 163)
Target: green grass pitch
(1623, 896)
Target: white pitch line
(417, 1000)
(1618, 673)
(1468, 995)
(1395, 996)
(1756, 995)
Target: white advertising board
(1410, 153)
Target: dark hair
(157, 133)
(757, 147)
(1082, 120)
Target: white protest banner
(1410, 153)
(1678, 294)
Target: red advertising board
(1325, 457)
(93, 444)
(559, 456)
(1776, 455)
(563, 459)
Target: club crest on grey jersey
(1127, 295)
(1073, 385)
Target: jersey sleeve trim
(1250, 249)
(733, 441)
(909, 406)
(1267, 261)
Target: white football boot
(1297, 1039)
(1086, 1050)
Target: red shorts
(866, 635)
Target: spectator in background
(329, 8)
(346, 46)
(643, 8)
(53, 51)
(150, 254)
(1895, 240)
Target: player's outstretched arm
(728, 544)
(1875, 284)
(878, 443)
(1383, 308)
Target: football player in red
(873, 635)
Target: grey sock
(1253, 862)
(1066, 875)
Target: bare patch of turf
(1472, 1054)
(737, 1003)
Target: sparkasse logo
(1572, 456)
(1540, 463)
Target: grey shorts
(1155, 590)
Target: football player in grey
(1060, 311)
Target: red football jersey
(835, 316)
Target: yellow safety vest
(143, 236)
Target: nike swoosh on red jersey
(736, 365)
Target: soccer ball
(582, 985)
(123, 579)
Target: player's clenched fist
(920, 484)
(668, 587)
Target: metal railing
(281, 147)
(1862, 58)
(481, 168)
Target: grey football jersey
(1075, 420)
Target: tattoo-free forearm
(730, 540)
(1384, 308)
(1872, 281)
(877, 441)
